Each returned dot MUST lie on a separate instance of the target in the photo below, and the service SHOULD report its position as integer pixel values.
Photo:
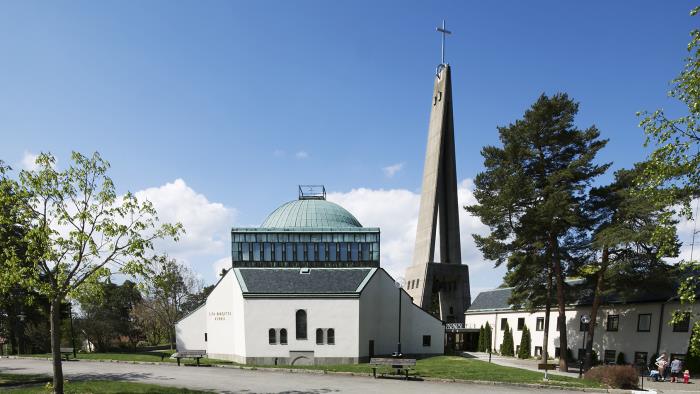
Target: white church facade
(307, 288)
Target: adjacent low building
(307, 288)
(639, 325)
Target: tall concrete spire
(441, 287)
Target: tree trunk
(56, 345)
(561, 306)
(547, 310)
(594, 309)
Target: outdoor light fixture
(585, 319)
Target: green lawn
(11, 379)
(110, 387)
(152, 356)
(449, 367)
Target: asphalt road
(228, 380)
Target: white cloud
(395, 212)
(391, 170)
(301, 155)
(29, 161)
(207, 224)
(685, 229)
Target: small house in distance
(306, 287)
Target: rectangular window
(267, 256)
(256, 251)
(343, 251)
(426, 340)
(354, 252)
(245, 251)
(310, 251)
(322, 251)
(301, 251)
(539, 326)
(521, 323)
(279, 256)
(644, 322)
(538, 351)
(613, 322)
(332, 251)
(290, 251)
(205, 337)
(609, 357)
(640, 359)
(365, 252)
(682, 325)
(504, 323)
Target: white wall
(627, 339)
(337, 313)
(379, 304)
(226, 320)
(189, 332)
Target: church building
(307, 287)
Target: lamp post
(72, 332)
(399, 284)
(21, 316)
(585, 319)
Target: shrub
(487, 339)
(614, 376)
(482, 340)
(525, 348)
(620, 359)
(507, 345)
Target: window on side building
(640, 358)
(609, 357)
(272, 336)
(504, 322)
(521, 323)
(426, 340)
(644, 322)
(319, 336)
(682, 325)
(330, 336)
(613, 322)
(539, 326)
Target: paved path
(227, 380)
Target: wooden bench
(195, 354)
(548, 367)
(67, 352)
(401, 365)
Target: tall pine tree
(531, 192)
(525, 348)
(488, 335)
(482, 340)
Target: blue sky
(242, 101)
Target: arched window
(283, 336)
(272, 336)
(301, 324)
(330, 336)
(319, 336)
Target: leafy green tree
(530, 195)
(106, 315)
(623, 249)
(488, 334)
(525, 348)
(674, 166)
(168, 287)
(195, 300)
(80, 232)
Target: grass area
(449, 367)
(12, 379)
(110, 387)
(152, 356)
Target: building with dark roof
(636, 323)
(306, 287)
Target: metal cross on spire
(444, 32)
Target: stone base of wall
(297, 359)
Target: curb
(359, 374)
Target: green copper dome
(310, 213)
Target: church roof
(303, 281)
(311, 213)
